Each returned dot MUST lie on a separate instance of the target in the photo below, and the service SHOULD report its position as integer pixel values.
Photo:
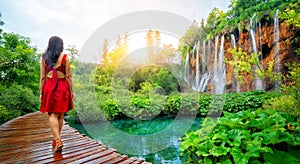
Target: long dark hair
(55, 48)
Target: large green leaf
(236, 135)
(207, 160)
(239, 156)
(227, 161)
(204, 148)
(280, 157)
(274, 136)
(219, 150)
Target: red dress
(56, 95)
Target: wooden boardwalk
(27, 139)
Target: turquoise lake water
(156, 140)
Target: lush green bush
(141, 105)
(173, 103)
(285, 103)
(244, 137)
(290, 102)
(4, 114)
(19, 62)
(156, 76)
(19, 76)
(246, 100)
(108, 107)
(233, 102)
(86, 107)
(18, 100)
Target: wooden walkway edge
(27, 139)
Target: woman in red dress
(57, 88)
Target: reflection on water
(139, 128)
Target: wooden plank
(47, 152)
(118, 159)
(107, 158)
(104, 153)
(129, 160)
(27, 139)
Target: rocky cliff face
(265, 46)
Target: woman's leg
(54, 124)
(60, 121)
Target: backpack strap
(63, 59)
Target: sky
(76, 20)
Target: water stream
(197, 78)
(258, 82)
(276, 48)
(219, 77)
(187, 67)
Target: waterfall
(201, 77)
(216, 55)
(232, 40)
(258, 82)
(276, 48)
(203, 57)
(205, 76)
(235, 81)
(204, 81)
(187, 67)
(219, 77)
(197, 78)
(208, 52)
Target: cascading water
(208, 52)
(197, 78)
(232, 40)
(276, 48)
(258, 82)
(205, 75)
(203, 57)
(216, 56)
(219, 77)
(235, 81)
(201, 77)
(187, 67)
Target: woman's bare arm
(42, 76)
(69, 78)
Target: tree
(187, 41)
(164, 54)
(149, 38)
(243, 62)
(157, 38)
(19, 76)
(74, 54)
(104, 51)
(215, 21)
(19, 62)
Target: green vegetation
(141, 106)
(267, 131)
(244, 137)
(256, 127)
(238, 17)
(243, 63)
(290, 102)
(19, 80)
(19, 75)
